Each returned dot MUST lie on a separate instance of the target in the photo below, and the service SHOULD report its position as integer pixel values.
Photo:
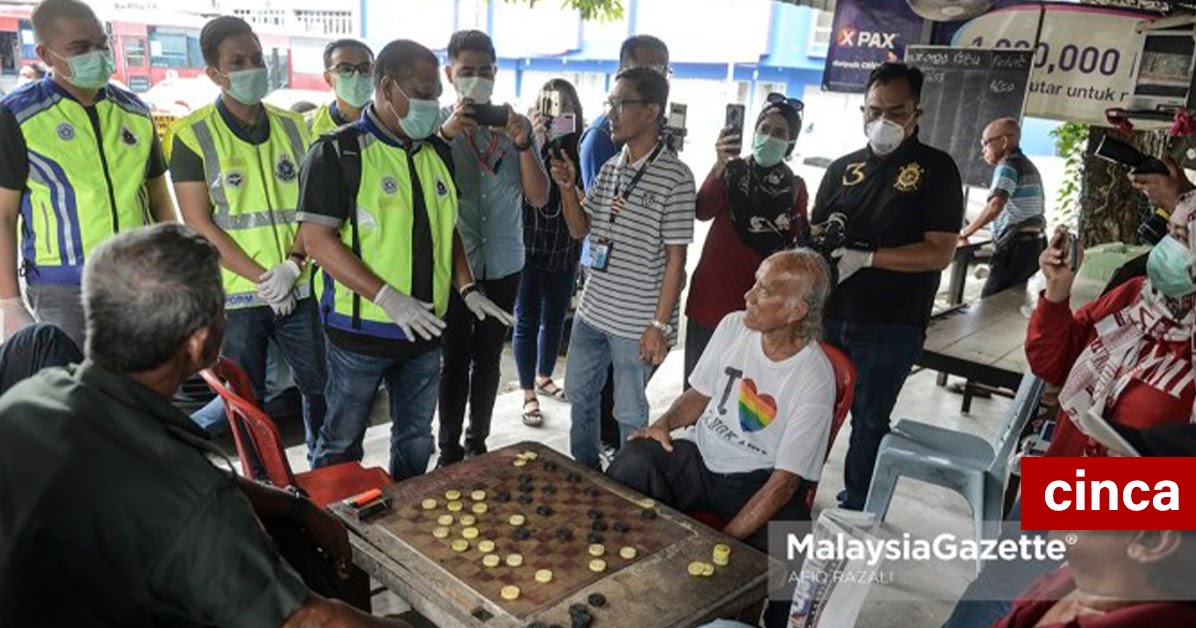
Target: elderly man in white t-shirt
(760, 405)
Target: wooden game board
(455, 589)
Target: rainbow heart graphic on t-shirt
(756, 411)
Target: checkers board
(566, 510)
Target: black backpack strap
(348, 149)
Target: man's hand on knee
(656, 432)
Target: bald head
(1007, 127)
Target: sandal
(532, 416)
(550, 389)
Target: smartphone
(674, 131)
(734, 119)
(550, 103)
(491, 115)
(1073, 252)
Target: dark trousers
(472, 354)
(681, 480)
(540, 311)
(883, 355)
(32, 349)
(1014, 264)
(697, 337)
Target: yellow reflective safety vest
(325, 120)
(87, 174)
(384, 222)
(254, 188)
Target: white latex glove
(13, 316)
(850, 261)
(409, 313)
(277, 283)
(483, 307)
(284, 306)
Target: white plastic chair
(959, 461)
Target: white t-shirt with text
(762, 414)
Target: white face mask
(884, 135)
(475, 88)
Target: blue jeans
(540, 309)
(883, 355)
(412, 386)
(591, 352)
(246, 338)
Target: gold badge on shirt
(910, 177)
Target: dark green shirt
(112, 514)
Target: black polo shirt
(890, 202)
(111, 514)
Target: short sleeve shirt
(762, 414)
(1016, 180)
(125, 521)
(890, 202)
(659, 211)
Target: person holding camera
(496, 171)
(758, 206)
(900, 203)
(639, 218)
(550, 270)
(1015, 208)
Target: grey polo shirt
(111, 514)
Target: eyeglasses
(619, 104)
(781, 99)
(985, 142)
(346, 69)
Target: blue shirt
(1017, 181)
(490, 185)
(596, 149)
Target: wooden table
(981, 341)
(652, 590)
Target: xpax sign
(1109, 493)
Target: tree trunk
(1110, 208)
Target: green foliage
(1071, 140)
(591, 10)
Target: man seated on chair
(113, 509)
(761, 402)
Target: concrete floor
(921, 509)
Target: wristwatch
(465, 291)
(523, 148)
(665, 328)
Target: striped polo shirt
(621, 300)
(1018, 181)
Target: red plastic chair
(844, 395)
(257, 439)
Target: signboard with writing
(1083, 62)
(964, 91)
(865, 34)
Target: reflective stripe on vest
(254, 189)
(67, 208)
(385, 219)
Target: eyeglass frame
(365, 68)
(780, 99)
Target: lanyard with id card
(600, 248)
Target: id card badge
(600, 254)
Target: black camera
(832, 237)
(1119, 152)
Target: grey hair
(145, 292)
(815, 275)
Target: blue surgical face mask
(249, 87)
(90, 70)
(421, 119)
(1168, 268)
(355, 89)
(767, 150)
